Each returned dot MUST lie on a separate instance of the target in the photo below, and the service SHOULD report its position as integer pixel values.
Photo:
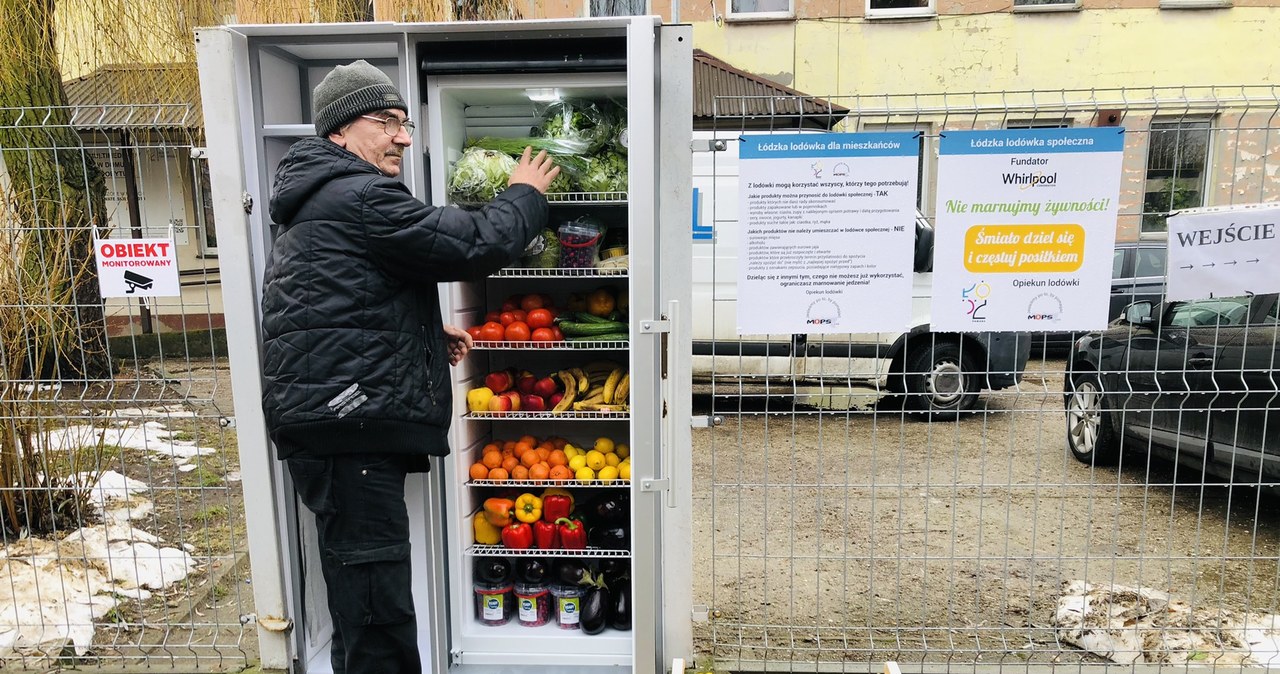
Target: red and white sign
(137, 267)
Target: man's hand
(459, 343)
(537, 172)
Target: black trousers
(363, 531)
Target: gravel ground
(870, 536)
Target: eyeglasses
(392, 125)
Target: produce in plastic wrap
(544, 251)
(479, 175)
(606, 172)
(576, 120)
(564, 153)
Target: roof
(726, 97)
(136, 96)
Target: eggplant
(532, 570)
(610, 509)
(614, 570)
(594, 609)
(620, 606)
(573, 572)
(609, 537)
(492, 570)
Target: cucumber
(584, 317)
(570, 328)
(607, 337)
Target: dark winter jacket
(354, 354)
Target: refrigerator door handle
(674, 378)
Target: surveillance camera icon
(136, 281)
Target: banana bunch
(599, 386)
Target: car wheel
(1090, 434)
(941, 379)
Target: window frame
(1195, 4)
(930, 10)
(199, 190)
(1066, 6)
(586, 10)
(1205, 171)
(788, 14)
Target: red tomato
(517, 332)
(474, 331)
(520, 315)
(543, 335)
(540, 318)
(506, 318)
(512, 303)
(531, 302)
(492, 317)
(555, 330)
(491, 332)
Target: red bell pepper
(517, 535)
(546, 536)
(573, 536)
(556, 506)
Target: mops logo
(1045, 307)
(823, 311)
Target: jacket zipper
(426, 347)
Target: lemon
(585, 474)
(624, 471)
(612, 459)
(608, 474)
(604, 445)
(595, 460)
(623, 451)
(577, 463)
(570, 451)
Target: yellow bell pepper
(485, 533)
(601, 303)
(528, 508)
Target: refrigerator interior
(463, 108)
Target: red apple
(500, 403)
(526, 383)
(556, 398)
(514, 397)
(545, 387)
(533, 403)
(499, 381)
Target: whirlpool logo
(823, 311)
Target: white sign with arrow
(1224, 251)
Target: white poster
(1224, 252)
(137, 267)
(827, 232)
(1026, 228)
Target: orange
(529, 458)
(557, 458)
(559, 442)
(492, 459)
(479, 471)
(509, 444)
(498, 474)
(532, 441)
(491, 447)
(561, 473)
(539, 471)
(543, 453)
(522, 448)
(510, 462)
(519, 473)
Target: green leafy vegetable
(479, 175)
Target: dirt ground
(865, 536)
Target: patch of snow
(151, 436)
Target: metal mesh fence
(836, 525)
(121, 513)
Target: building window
(894, 9)
(760, 9)
(1039, 123)
(617, 7)
(1177, 164)
(1045, 5)
(207, 232)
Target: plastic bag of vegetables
(606, 172)
(479, 175)
(577, 120)
(564, 152)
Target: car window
(1150, 262)
(1272, 316)
(1117, 263)
(1219, 311)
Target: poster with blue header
(826, 232)
(1026, 229)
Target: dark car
(1195, 380)
(1137, 274)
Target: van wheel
(941, 379)
(1091, 437)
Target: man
(356, 389)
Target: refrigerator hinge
(655, 485)
(700, 613)
(708, 145)
(705, 421)
(652, 327)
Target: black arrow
(1210, 265)
(1253, 260)
(1231, 262)
(1189, 266)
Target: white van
(939, 373)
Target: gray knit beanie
(350, 91)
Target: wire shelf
(613, 484)
(546, 416)
(561, 272)
(603, 198)
(552, 346)
(492, 550)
